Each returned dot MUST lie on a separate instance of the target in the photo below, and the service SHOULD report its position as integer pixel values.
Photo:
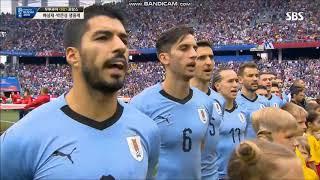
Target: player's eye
(102, 38)
(125, 41)
(201, 58)
(184, 48)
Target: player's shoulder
(138, 120)
(239, 97)
(198, 93)
(146, 93)
(37, 124)
(41, 115)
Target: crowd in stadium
(57, 78)
(206, 120)
(226, 22)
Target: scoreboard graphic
(49, 12)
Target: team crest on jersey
(203, 115)
(242, 118)
(262, 106)
(135, 147)
(275, 105)
(217, 107)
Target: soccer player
(181, 113)
(262, 91)
(201, 80)
(275, 89)
(86, 133)
(257, 160)
(248, 77)
(232, 128)
(203, 73)
(265, 79)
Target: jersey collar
(92, 123)
(235, 106)
(253, 100)
(181, 101)
(209, 92)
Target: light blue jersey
(275, 101)
(249, 107)
(231, 133)
(55, 142)
(183, 125)
(209, 166)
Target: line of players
(177, 129)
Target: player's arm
(154, 151)
(14, 157)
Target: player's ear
(72, 56)
(163, 58)
(240, 79)
(217, 86)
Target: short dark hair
(168, 38)
(262, 87)
(246, 65)
(216, 77)
(312, 116)
(74, 29)
(204, 43)
(275, 84)
(265, 72)
(294, 90)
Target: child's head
(313, 121)
(275, 125)
(260, 159)
(299, 114)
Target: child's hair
(294, 110)
(303, 142)
(312, 116)
(257, 159)
(271, 119)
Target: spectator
(41, 99)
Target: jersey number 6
(187, 142)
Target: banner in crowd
(9, 84)
(236, 47)
(49, 54)
(283, 45)
(242, 58)
(17, 53)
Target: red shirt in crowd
(4, 99)
(24, 100)
(41, 99)
(15, 97)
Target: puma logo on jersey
(160, 119)
(59, 153)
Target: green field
(8, 117)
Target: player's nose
(119, 45)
